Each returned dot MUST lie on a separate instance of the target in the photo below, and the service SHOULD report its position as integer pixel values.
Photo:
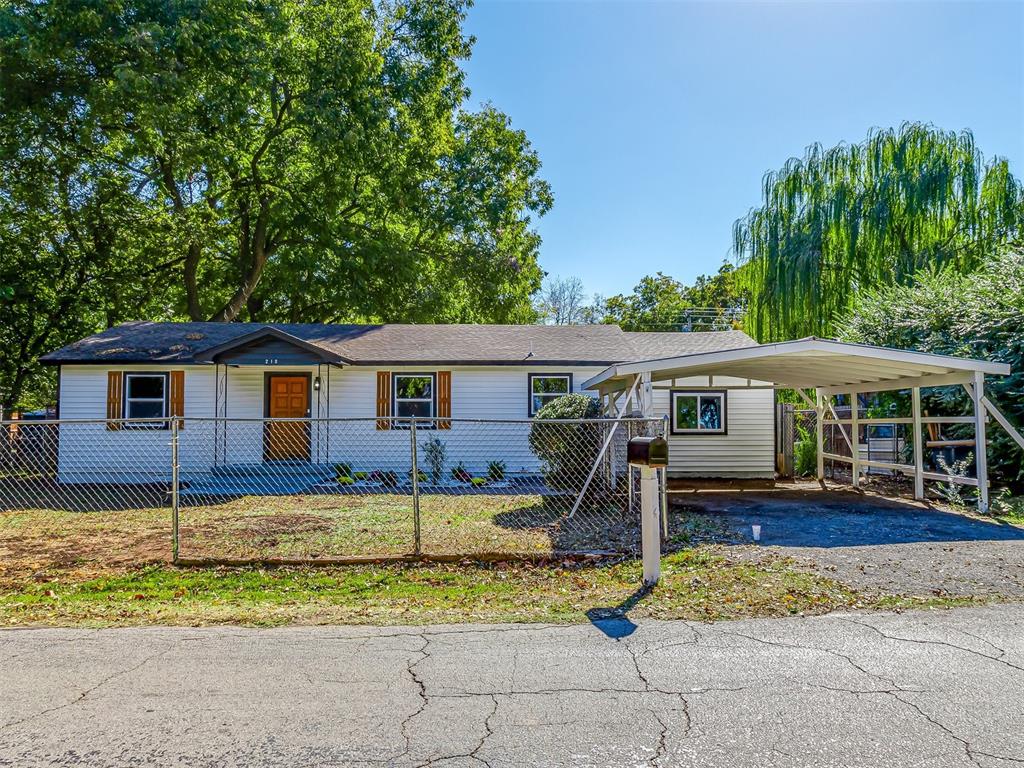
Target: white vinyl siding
(746, 451)
(90, 452)
(478, 392)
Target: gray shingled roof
(145, 342)
(654, 345)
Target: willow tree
(870, 214)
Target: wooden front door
(287, 398)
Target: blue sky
(656, 121)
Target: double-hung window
(414, 395)
(698, 413)
(545, 387)
(145, 397)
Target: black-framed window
(414, 394)
(145, 397)
(545, 387)
(700, 412)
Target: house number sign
(270, 361)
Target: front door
(287, 398)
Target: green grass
(92, 543)
(697, 584)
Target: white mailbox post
(649, 454)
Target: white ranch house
(237, 371)
(715, 392)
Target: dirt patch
(91, 549)
(277, 525)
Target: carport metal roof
(831, 366)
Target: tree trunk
(191, 268)
(258, 251)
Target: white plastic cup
(757, 532)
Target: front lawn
(88, 543)
(698, 584)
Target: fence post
(174, 490)
(415, 487)
(664, 484)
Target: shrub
(421, 476)
(361, 475)
(978, 315)
(343, 469)
(567, 451)
(435, 454)
(496, 470)
(345, 480)
(478, 481)
(805, 453)
(462, 474)
(388, 478)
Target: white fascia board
(594, 382)
(803, 347)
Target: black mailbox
(648, 452)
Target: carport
(829, 368)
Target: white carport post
(918, 444)
(980, 439)
(819, 430)
(855, 437)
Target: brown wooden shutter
(383, 399)
(177, 400)
(444, 399)
(115, 398)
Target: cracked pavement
(931, 689)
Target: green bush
(478, 481)
(568, 451)
(805, 454)
(361, 475)
(388, 478)
(462, 474)
(345, 480)
(496, 470)
(434, 457)
(343, 469)
(978, 315)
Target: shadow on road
(613, 621)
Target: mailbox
(648, 452)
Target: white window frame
(551, 395)
(401, 421)
(720, 394)
(128, 376)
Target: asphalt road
(919, 689)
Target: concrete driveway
(870, 542)
(920, 689)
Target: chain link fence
(305, 490)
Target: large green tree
(840, 220)
(662, 303)
(979, 315)
(223, 159)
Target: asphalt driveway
(870, 542)
(936, 689)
